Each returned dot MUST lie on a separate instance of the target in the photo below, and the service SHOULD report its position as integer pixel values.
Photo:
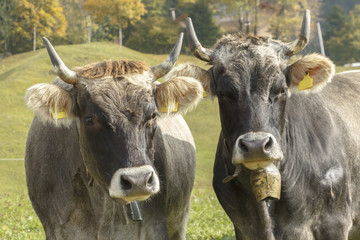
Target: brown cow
(105, 136)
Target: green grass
(207, 220)
(19, 72)
(18, 219)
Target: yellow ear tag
(164, 109)
(306, 82)
(61, 114)
(204, 94)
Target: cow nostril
(150, 179)
(126, 185)
(268, 144)
(243, 147)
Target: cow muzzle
(134, 184)
(256, 150)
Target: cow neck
(263, 210)
(263, 207)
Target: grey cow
(288, 118)
(104, 137)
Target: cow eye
(226, 96)
(280, 95)
(151, 123)
(89, 120)
(155, 115)
(151, 128)
(283, 91)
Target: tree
(118, 12)
(277, 17)
(242, 9)
(7, 19)
(155, 34)
(78, 30)
(206, 30)
(335, 21)
(44, 17)
(287, 20)
(344, 44)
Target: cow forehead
(253, 55)
(248, 51)
(121, 97)
(254, 66)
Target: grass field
(17, 73)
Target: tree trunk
(5, 45)
(256, 16)
(247, 22)
(34, 41)
(120, 36)
(90, 30)
(241, 20)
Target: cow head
(252, 77)
(115, 106)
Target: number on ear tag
(306, 82)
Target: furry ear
(178, 94)
(319, 68)
(50, 103)
(190, 70)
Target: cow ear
(311, 73)
(50, 103)
(178, 95)
(193, 71)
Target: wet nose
(138, 184)
(134, 183)
(255, 148)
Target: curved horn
(195, 46)
(163, 68)
(62, 71)
(299, 44)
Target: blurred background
(152, 26)
(85, 31)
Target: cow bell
(266, 183)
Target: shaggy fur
(185, 91)
(42, 98)
(320, 68)
(188, 69)
(115, 69)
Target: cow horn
(299, 44)
(62, 71)
(163, 68)
(195, 46)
